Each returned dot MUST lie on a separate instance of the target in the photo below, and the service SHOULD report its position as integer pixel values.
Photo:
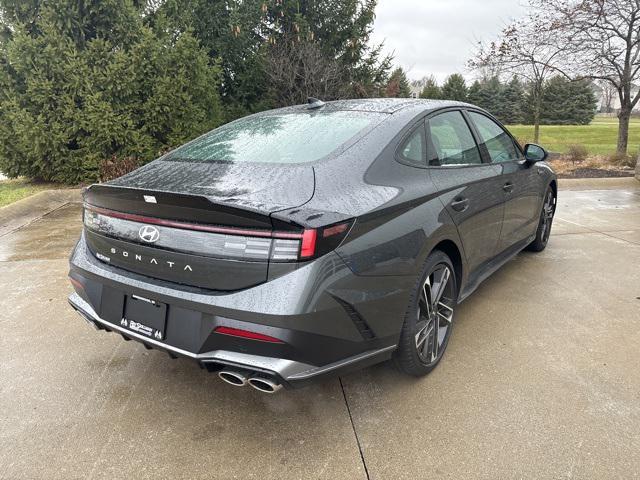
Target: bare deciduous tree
(608, 92)
(298, 70)
(604, 36)
(529, 49)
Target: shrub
(623, 160)
(115, 167)
(118, 90)
(577, 153)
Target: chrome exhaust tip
(264, 385)
(233, 377)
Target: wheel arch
(554, 186)
(450, 248)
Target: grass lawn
(599, 137)
(15, 189)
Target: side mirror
(534, 153)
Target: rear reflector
(77, 285)
(236, 332)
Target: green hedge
(76, 94)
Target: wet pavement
(541, 378)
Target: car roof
(391, 105)
(380, 105)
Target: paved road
(541, 379)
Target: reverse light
(237, 332)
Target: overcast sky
(437, 37)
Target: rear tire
(545, 222)
(429, 318)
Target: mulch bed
(585, 172)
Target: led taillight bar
(313, 241)
(193, 226)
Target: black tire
(413, 357)
(545, 222)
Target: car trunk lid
(203, 225)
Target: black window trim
(474, 134)
(482, 145)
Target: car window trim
(484, 149)
(473, 134)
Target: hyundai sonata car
(309, 240)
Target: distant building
(608, 100)
(416, 87)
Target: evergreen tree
(86, 81)
(230, 31)
(489, 96)
(454, 88)
(566, 102)
(241, 33)
(473, 94)
(398, 85)
(512, 99)
(431, 89)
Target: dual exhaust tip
(240, 378)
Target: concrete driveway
(541, 378)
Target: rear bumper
(289, 372)
(329, 319)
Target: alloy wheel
(435, 314)
(547, 216)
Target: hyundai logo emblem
(149, 234)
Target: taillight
(216, 240)
(308, 244)
(318, 241)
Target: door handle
(508, 187)
(460, 204)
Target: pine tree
(455, 88)
(431, 90)
(567, 102)
(398, 85)
(511, 103)
(473, 95)
(489, 96)
(244, 33)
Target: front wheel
(429, 319)
(544, 224)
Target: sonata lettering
(143, 259)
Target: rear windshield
(286, 138)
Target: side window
(498, 142)
(452, 141)
(413, 148)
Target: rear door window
(452, 141)
(499, 143)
